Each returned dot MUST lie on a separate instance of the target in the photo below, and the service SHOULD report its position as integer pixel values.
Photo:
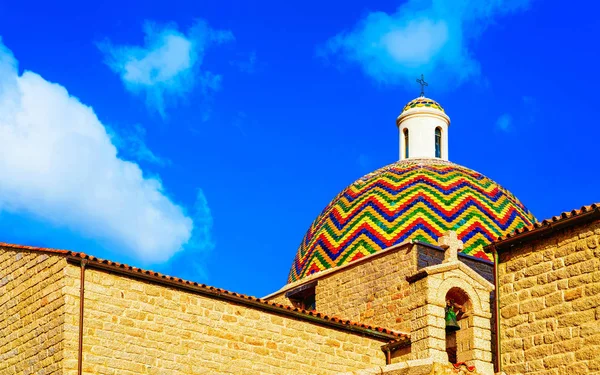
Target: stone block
(544, 289)
(508, 299)
(512, 345)
(558, 274)
(572, 294)
(592, 340)
(509, 311)
(558, 360)
(534, 259)
(538, 269)
(526, 283)
(589, 265)
(552, 312)
(565, 346)
(576, 281)
(592, 289)
(538, 352)
(577, 369)
(554, 299)
(558, 263)
(575, 318)
(586, 353)
(531, 306)
(564, 250)
(587, 303)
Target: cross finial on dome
(423, 84)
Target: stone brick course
(134, 327)
(375, 291)
(549, 301)
(32, 308)
(372, 292)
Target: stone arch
(439, 298)
(465, 348)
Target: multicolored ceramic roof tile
(418, 199)
(422, 102)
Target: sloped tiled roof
(538, 228)
(210, 291)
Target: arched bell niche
(458, 330)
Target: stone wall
(429, 255)
(549, 300)
(32, 307)
(430, 289)
(418, 367)
(280, 298)
(372, 292)
(375, 291)
(134, 327)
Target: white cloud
(58, 164)
(130, 141)
(423, 36)
(504, 122)
(202, 234)
(167, 67)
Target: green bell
(451, 322)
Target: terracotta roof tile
(549, 223)
(213, 290)
(44, 249)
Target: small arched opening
(458, 309)
(405, 143)
(438, 142)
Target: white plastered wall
(421, 124)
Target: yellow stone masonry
(427, 301)
(32, 311)
(372, 292)
(138, 327)
(134, 327)
(549, 301)
(417, 367)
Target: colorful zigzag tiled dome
(417, 199)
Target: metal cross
(423, 84)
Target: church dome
(414, 198)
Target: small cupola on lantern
(423, 128)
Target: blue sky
(201, 139)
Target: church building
(420, 267)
